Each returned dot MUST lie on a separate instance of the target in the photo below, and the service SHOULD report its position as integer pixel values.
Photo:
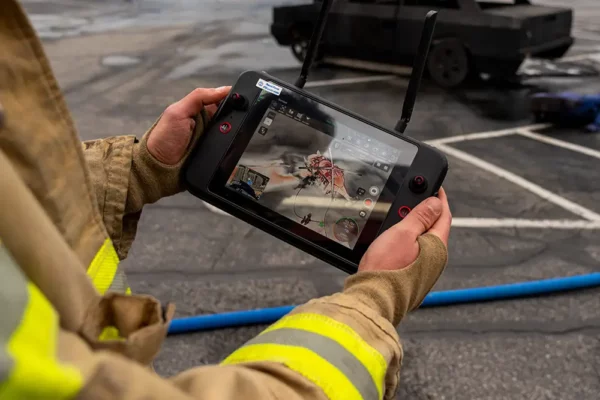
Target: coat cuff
(374, 302)
(392, 294)
(150, 179)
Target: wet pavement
(121, 63)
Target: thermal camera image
(320, 181)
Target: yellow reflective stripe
(104, 268)
(104, 272)
(323, 325)
(36, 373)
(306, 362)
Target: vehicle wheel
(448, 63)
(299, 48)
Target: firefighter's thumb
(422, 217)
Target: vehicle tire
(299, 48)
(448, 63)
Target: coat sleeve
(125, 177)
(340, 347)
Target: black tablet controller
(308, 172)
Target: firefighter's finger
(441, 228)
(194, 102)
(422, 217)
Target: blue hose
(433, 299)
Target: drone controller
(304, 170)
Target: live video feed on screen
(317, 171)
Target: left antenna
(313, 44)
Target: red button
(368, 203)
(225, 127)
(403, 211)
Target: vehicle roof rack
(416, 74)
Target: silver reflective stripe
(14, 298)
(328, 349)
(119, 283)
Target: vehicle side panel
(361, 31)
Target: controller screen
(319, 168)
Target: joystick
(238, 102)
(418, 184)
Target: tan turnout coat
(71, 327)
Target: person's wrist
(394, 293)
(152, 179)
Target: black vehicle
(472, 37)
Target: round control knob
(418, 184)
(238, 102)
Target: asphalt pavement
(523, 205)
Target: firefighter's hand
(171, 136)
(397, 247)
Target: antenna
(313, 44)
(417, 72)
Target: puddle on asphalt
(234, 56)
(244, 26)
(243, 17)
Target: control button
(374, 190)
(382, 166)
(418, 184)
(403, 211)
(362, 213)
(238, 102)
(368, 203)
(225, 127)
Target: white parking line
(350, 81)
(483, 135)
(579, 57)
(559, 143)
(525, 184)
(525, 223)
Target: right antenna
(417, 72)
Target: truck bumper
(560, 45)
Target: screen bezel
(217, 185)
